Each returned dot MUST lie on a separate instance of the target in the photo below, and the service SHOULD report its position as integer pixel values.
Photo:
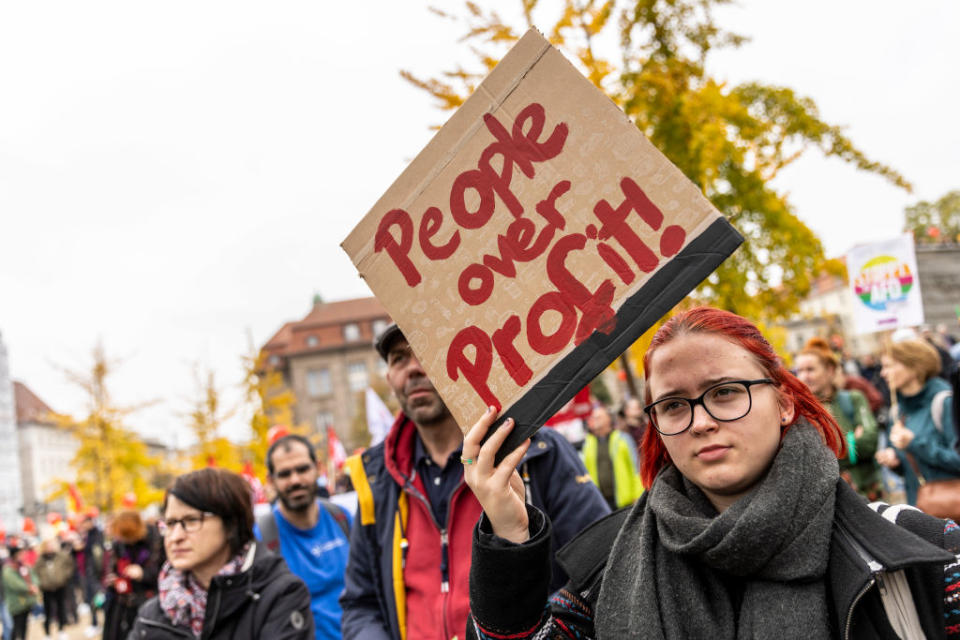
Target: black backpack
(270, 536)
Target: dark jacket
(124, 596)
(89, 558)
(374, 605)
(263, 601)
(510, 602)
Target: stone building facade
(46, 452)
(938, 268)
(328, 360)
(11, 499)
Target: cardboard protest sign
(536, 236)
(884, 284)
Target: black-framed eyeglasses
(190, 524)
(725, 401)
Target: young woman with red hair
(746, 530)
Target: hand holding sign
(499, 489)
(532, 241)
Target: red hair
(742, 332)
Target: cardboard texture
(533, 240)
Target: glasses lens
(189, 524)
(671, 415)
(729, 401)
(192, 523)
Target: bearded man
(310, 532)
(409, 568)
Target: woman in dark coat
(217, 581)
(746, 530)
(131, 565)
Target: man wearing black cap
(408, 572)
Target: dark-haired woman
(746, 530)
(217, 581)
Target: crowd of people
(730, 500)
(80, 570)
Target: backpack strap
(845, 400)
(894, 587)
(358, 476)
(269, 534)
(338, 514)
(936, 407)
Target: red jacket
(436, 569)
(408, 576)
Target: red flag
(76, 502)
(276, 432)
(578, 408)
(335, 451)
(256, 487)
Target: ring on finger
(467, 460)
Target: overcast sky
(175, 176)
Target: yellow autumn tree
(271, 403)
(650, 57)
(204, 420)
(112, 461)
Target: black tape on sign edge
(661, 293)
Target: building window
(357, 376)
(379, 326)
(351, 332)
(318, 382)
(274, 361)
(312, 341)
(323, 420)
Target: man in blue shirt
(309, 532)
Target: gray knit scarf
(678, 570)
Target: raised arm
(510, 571)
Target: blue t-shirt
(318, 556)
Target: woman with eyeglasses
(217, 581)
(746, 529)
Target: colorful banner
(885, 287)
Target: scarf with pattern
(184, 600)
(680, 570)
